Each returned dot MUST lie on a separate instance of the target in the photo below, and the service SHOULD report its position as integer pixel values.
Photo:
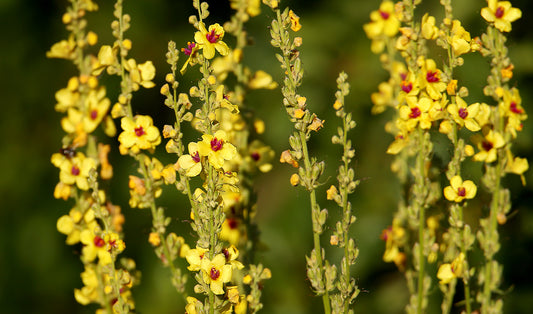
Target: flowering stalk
(319, 272)
(94, 221)
(348, 290)
(495, 146)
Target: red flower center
(214, 273)
(463, 113)
(461, 191)
(94, 114)
(98, 242)
(415, 113)
(226, 253)
(487, 146)
(139, 131)
(255, 156)
(212, 36)
(196, 157)
(188, 51)
(216, 144)
(407, 87)
(432, 77)
(499, 12)
(514, 108)
(384, 15)
(232, 223)
(75, 170)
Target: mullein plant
(94, 222)
(425, 98)
(338, 290)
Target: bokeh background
(38, 272)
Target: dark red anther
(196, 157)
(415, 113)
(461, 191)
(499, 12)
(98, 242)
(75, 170)
(487, 146)
(216, 144)
(212, 36)
(432, 77)
(94, 114)
(139, 131)
(463, 113)
(255, 156)
(407, 87)
(214, 273)
(384, 15)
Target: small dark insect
(68, 151)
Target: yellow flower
(195, 258)
(216, 272)
(415, 112)
(211, 40)
(222, 100)
(88, 293)
(488, 145)
(94, 246)
(216, 148)
(501, 14)
(459, 190)
(429, 30)
(295, 21)
(74, 170)
(97, 105)
(464, 115)
(230, 231)
(191, 163)
(431, 79)
(460, 39)
(511, 107)
(517, 166)
(139, 133)
(394, 238)
(383, 21)
(64, 49)
(261, 79)
(192, 305)
(452, 270)
(141, 74)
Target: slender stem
(420, 204)
(314, 208)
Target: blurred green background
(38, 272)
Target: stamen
(432, 77)
(75, 170)
(214, 273)
(139, 131)
(500, 11)
(415, 113)
(212, 36)
(216, 144)
(463, 113)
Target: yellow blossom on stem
(74, 170)
(211, 39)
(460, 39)
(415, 112)
(88, 293)
(449, 271)
(94, 246)
(488, 145)
(139, 133)
(189, 51)
(458, 190)
(295, 21)
(191, 163)
(501, 14)
(216, 148)
(216, 272)
(464, 115)
(383, 21)
(431, 79)
(141, 74)
(195, 257)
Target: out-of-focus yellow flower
(429, 30)
(141, 74)
(211, 39)
(64, 49)
(452, 270)
(74, 170)
(295, 21)
(460, 39)
(501, 14)
(383, 21)
(488, 145)
(261, 79)
(458, 190)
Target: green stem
(420, 204)
(314, 215)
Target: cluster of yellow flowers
(426, 97)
